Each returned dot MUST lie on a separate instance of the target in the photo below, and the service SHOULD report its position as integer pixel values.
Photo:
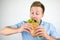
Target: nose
(34, 16)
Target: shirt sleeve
(18, 25)
(53, 32)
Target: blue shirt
(50, 29)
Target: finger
(39, 34)
(39, 28)
(27, 28)
(37, 31)
(29, 25)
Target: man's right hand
(26, 27)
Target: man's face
(36, 13)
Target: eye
(37, 13)
(32, 12)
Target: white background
(14, 11)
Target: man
(46, 30)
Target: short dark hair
(38, 4)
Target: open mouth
(35, 21)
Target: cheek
(30, 15)
(39, 16)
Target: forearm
(8, 31)
(58, 39)
(50, 38)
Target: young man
(46, 30)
